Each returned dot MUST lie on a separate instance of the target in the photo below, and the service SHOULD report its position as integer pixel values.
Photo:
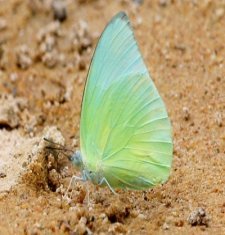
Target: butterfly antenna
(61, 147)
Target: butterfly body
(94, 175)
(125, 132)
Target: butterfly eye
(76, 158)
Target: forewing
(125, 130)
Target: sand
(45, 51)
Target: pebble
(139, 20)
(2, 175)
(81, 64)
(49, 59)
(164, 3)
(51, 162)
(85, 43)
(82, 228)
(62, 59)
(69, 93)
(198, 217)
(13, 77)
(23, 61)
(103, 216)
(75, 142)
(186, 113)
(3, 24)
(37, 6)
(85, 1)
(117, 228)
(165, 226)
(52, 28)
(157, 18)
(48, 44)
(81, 39)
(59, 10)
(219, 13)
(219, 119)
(141, 216)
(138, 2)
(23, 57)
(10, 109)
(65, 172)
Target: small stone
(24, 164)
(37, 6)
(49, 59)
(117, 228)
(85, 44)
(24, 61)
(198, 217)
(85, 1)
(83, 220)
(62, 59)
(164, 3)
(186, 113)
(117, 212)
(138, 2)
(157, 18)
(165, 226)
(219, 13)
(65, 172)
(59, 10)
(219, 119)
(180, 47)
(13, 77)
(141, 216)
(81, 39)
(75, 142)
(52, 28)
(179, 223)
(48, 44)
(54, 177)
(23, 57)
(2, 175)
(10, 109)
(82, 64)
(51, 162)
(81, 227)
(3, 24)
(139, 21)
(65, 227)
(103, 216)
(80, 80)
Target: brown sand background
(43, 67)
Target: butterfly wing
(125, 131)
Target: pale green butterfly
(125, 132)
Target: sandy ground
(43, 67)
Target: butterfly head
(76, 159)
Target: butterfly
(125, 131)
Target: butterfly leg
(72, 180)
(104, 180)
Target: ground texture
(43, 67)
